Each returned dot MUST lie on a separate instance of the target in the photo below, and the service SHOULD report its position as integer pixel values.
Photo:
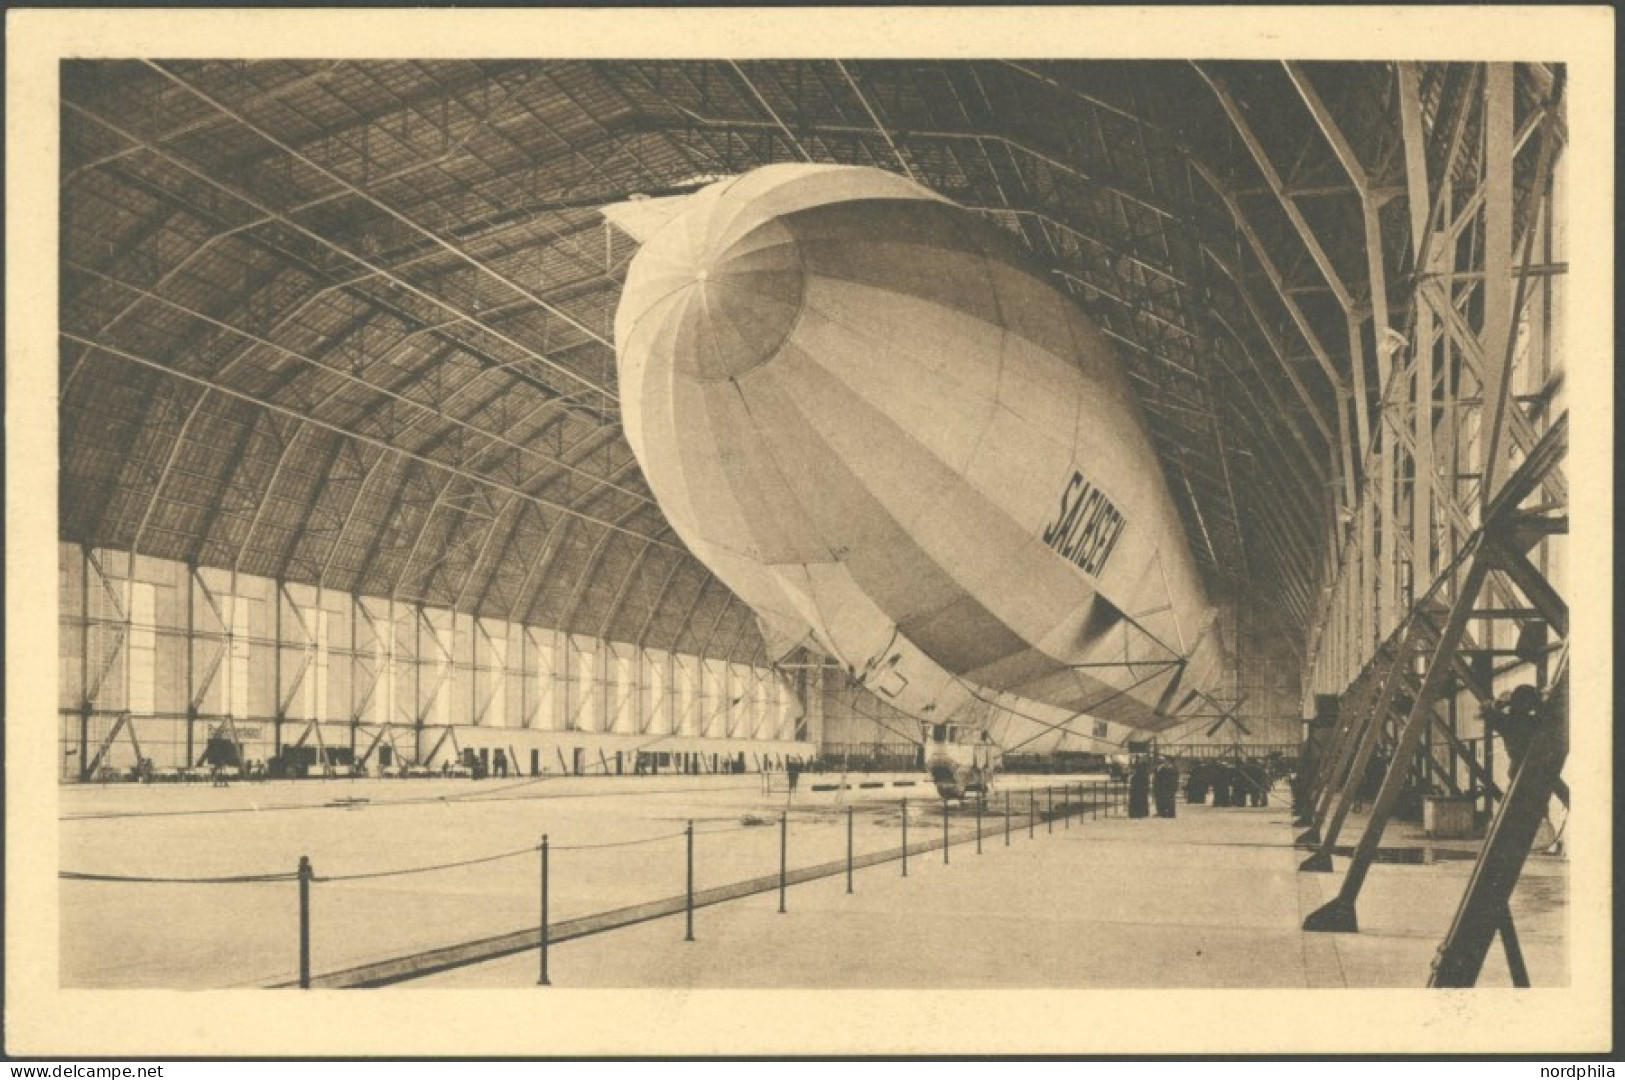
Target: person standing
(1259, 784)
(1196, 783)
(1139, 790)
(1166, 784)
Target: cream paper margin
(42, 1019)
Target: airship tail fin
(642, 218)
(780, 637)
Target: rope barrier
(426, 869)
(617, 843)
(242, 879)
(485, 794)
(813, 813)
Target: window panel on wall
(714, 698)
(239, 614)
(584, 700)
(380, 707)
(314, 628)
(404, 671)
(436, 684)
(514, 689)
(490, 674)
(685, 698)
(795, 723)
(656, 714)
(705, 695)
(541, 680)
(741, 701)
(763, 724)
(621, 689)
(143, 649)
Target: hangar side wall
(179, 651)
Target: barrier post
(979, 802)
(784, 853)
(905, 836)
(1032, 811)
(1066, 806)
(1049, 815)
(305, 875)
(1006, 819)
(541, 977)
(944, 832)
(849, 851)
(689, 905)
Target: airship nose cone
(726, 303)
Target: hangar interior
(343, 477)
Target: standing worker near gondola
(1200, 780)
(1165, 784)
(1139, 790)
(1258, 783)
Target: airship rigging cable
(1064, 727)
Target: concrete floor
(1211, 898)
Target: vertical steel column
(905, 836)
(305, 876)
(417, 675)
(84, 662)
(541, 978)
(784, 855)
(1497, 285)
(1489, 748)
(848, 850)
(191, 647)
(688, 907)
(276, 666)
(355, 663)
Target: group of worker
(1232, 783)
(1155, 785)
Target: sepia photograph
(862, 525)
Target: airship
(873, 417)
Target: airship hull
(871, 418)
